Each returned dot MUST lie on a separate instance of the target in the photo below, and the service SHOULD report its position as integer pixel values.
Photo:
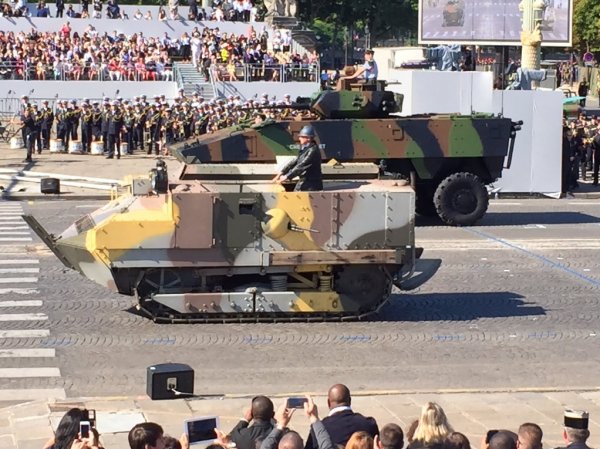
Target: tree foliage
(384, 18)
(586, 25)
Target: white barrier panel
(430, 91)
(536, 165)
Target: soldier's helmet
(307, 131)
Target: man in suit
(342, 422)
(575, 432)
(261, 413)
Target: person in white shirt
(368, 71)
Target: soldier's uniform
(307, 166)
(128, 123)
(139, 124)
(576, 423)
(115, 124)
(104, 128)
(28, 122)
(96, 122)
(75, 117)
(61, 122)
(87, 123)
(46, 127)
(36, 136)
(153, 123)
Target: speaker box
(170, 381)
(50, 185)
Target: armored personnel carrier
(219, 244)
(448, 159)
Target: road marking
(17, 280)
(12, 223)
(11, 232)
(19, 262)
(12, 228)
(37, 352)
(32, 394)
(18, 291)
(19, 270)
(504, 203)
(28, 303)
(25, 333)
(466, 245)
(23, 317)
(86, 206)
(15, 239)
(29, 372)
(584, 203)
(10, 217)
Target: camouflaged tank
(448, 159)
(240, 248)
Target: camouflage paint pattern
(203, 248)
(357, 126)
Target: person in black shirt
(307, 166)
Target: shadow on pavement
(456, 307)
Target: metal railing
(87, 72)
(266, 72)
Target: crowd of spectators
(263, 427)
(581, 150)
(222, 10)
(67, 55)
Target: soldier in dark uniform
(307, 166)
(47, 121)
(28, 122)
(139, 124)
(68, 120)
(61, 122)
(105, 119)
(36, 135)
(575, 432)
(96, 121)
(24, 106)
(87, 122)
(128, 123)
(153, 125)
(115, 126)
(75, 117)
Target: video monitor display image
(493, 22)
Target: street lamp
(531, 32)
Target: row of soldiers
(145, 126)
(581, 150)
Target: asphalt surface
(515, 305)
(490, 20)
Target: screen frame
(187, 422)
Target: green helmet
(307, 131)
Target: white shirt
(371, 70)
(341, 408)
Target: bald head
(338, 395)
(291, 440)
(503, 440)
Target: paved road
(490, 20)
(513, 306)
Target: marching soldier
(96, 121)
(46, 127)
(87, 123)
(153, 125)
(104, 128)
(28, 122)
(115, 126)
(61, 122)
(35, 136)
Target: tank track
(162, 315)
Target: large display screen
(490, 22)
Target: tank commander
(575, 432)
(307, 165)
(368, 71)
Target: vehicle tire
(461, 199)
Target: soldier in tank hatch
(307, 165)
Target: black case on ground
(164, 377)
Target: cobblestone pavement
(514, 306)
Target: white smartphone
(84, 429)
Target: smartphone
(297, 402)
(90, 415)
(84, 429)
(201, 430)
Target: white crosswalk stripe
(21, 305)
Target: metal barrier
(266, 72)
(87, 72)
